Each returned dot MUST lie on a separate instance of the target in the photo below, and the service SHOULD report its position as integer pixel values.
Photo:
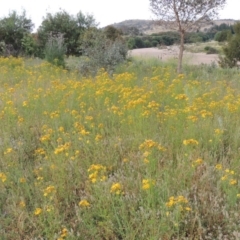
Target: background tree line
(219, 33)
(62, 34)
(16, 35)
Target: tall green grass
(143, 154)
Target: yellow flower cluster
(38, 211)
(147, 183)
(9, 150)
(48, 190)
(97, 172)
(149, 143)
(61, 148)
(190, 142)
(84, 203)
(3, 177)
(116, 188)
(227, 175)
(179, 201)
(197, 162)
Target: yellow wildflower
(190, 142)
(197, 162)
(48, 190)
(218, 131)
(9, 150)
(147, 183)
(146, 154)
(3, 177)
(64, 232)
(233, 181)
(218, 166)
(84, 203)
(170, 202)
(22, 180)
(25, 103)
(224, 177)
(146, 161)
(37, 211)
(22, 204)
(116, 188)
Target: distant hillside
(150, 26)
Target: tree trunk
(180, 57)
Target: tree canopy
(232, 50)
(13, 29)
(70, 26)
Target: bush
(13, 28)
(222, 36)
(210, 50)
(232, 50)
(29, 46)
(131, 43)
(147, 44)
(55, 50)
(101, 52)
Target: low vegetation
(95, 145)
(142, 154)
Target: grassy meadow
(144, 154)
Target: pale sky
(104, 11)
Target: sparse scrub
(202, 47)
(210, 50)
(142, 154)
(55, 50)
(100, 52)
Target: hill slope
(151, 26)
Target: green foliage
(194, 38)
(222, 36)
(101, 52)
(147, 44)
(218, 28)
(29, 45)
(210, 50)
(55, 50)
(131, 43)
(112, 33)
(13, 29)
(71, 27)
(232, 50)
(143, 154)
(165, 39)
(139, 43)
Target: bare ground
(172, 53)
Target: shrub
(13, 28)
(210, 50)
(101, 52)
(222, 36)
(29, 45)
(55, 50)
(232, 50)
(131, 43)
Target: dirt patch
(172, 53)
